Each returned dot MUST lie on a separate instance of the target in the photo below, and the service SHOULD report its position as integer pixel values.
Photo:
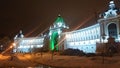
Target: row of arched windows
(31, 41)
(86, 34)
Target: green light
(59, 19)
(59, 23)
(54, 41)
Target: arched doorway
(112, 30)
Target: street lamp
(14, 47)
(14, 44)
(103, 37)
(11, 46)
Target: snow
(78, 62)
(31, 60)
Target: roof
(59, 19)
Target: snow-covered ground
(29, 60)
(16, 61)
(78, 62)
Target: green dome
(59, 19)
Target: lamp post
(14, 47)
(103, 37)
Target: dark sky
(34, 16)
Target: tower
(55, 32)
(19, 35)
(16, 40)
(110, 23)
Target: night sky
(35, 16)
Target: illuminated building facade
(24, 45)
(85, 39)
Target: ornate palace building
(85, 39)
(26, 44)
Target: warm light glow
(11, 46)
(14, 44)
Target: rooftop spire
(20, 31)
(59, 15)
(59, 19)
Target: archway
(112, 30)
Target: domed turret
(59, 22)
(20, 35)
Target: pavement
(58, 61)
(17, 61)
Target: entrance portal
(112, 30)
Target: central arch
(112, 30)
